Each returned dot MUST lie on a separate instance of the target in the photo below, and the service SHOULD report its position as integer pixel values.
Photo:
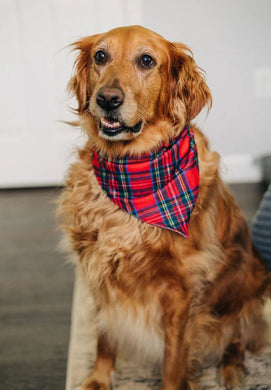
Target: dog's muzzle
(109, 99)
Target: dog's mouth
(112, 128)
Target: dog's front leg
(100, 378)
(175, 366)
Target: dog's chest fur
(120, 257)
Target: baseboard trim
(240, 168)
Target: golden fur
(183, 302)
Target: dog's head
(135, 89)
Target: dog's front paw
(232, 375)
(94, 385)
(94, 382)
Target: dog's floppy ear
(189, 91)
(79, 85)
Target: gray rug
(130, 375)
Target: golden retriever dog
(184, 302)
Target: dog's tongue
(110, 125)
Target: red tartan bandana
(160, 188)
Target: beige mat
(129, 375)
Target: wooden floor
(36, 288)
(35, 293)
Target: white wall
(35, 147)
(231, 41)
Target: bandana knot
(160, 188)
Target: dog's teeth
(110, 125)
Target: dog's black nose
(109, 98)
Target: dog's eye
(146, 61)
(100, 57)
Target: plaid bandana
(159, 188)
